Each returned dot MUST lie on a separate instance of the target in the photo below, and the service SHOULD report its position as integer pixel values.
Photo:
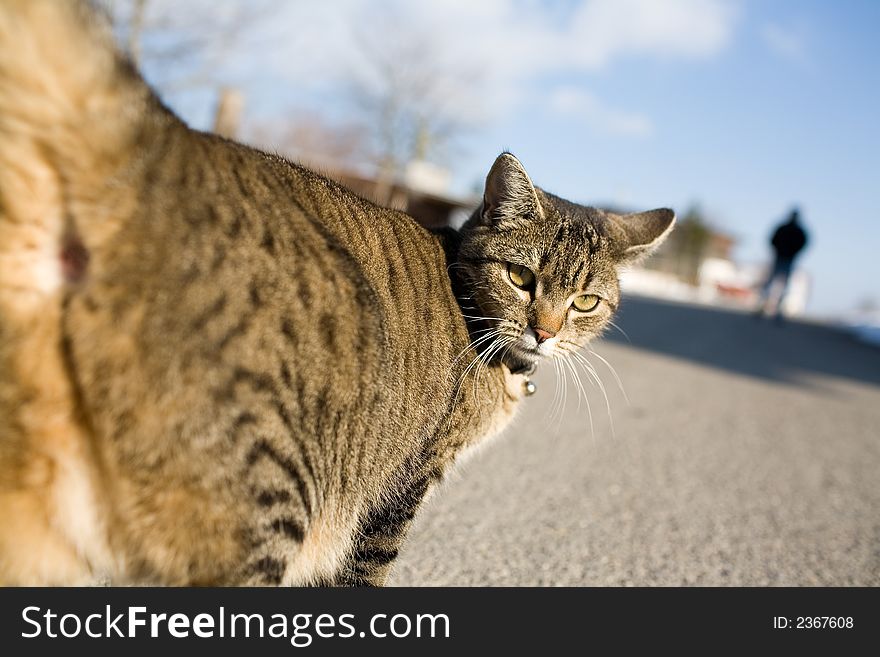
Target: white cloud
(788, 42)
(602, 30)
(576, 102)
(488, 53)
(504, 43)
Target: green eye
(520, 276)
(586, 302)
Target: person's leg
(766, 287)
(783, 268)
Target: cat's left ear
(638, 234)
(509, 194)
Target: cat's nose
(542, 334)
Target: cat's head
(541, 272)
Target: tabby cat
(218, 367)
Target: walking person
(788, 240)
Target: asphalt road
(749, 454)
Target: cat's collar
(525, 370)
(522, 367)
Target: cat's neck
(450, 239)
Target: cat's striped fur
(218, 367)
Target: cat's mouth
(522, 360)
(524, 352)
(518, 365)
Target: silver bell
(529, 387)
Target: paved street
(749, 454)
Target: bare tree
(182, 46)
(409, 97)
(135, 28)
(407, 94)
(227, 115)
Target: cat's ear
(638, 234)
(509, 193)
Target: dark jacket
(788, 240)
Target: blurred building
(421, 193)
(730, 283)
(688, 246)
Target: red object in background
(735, 291)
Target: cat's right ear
(639, 234)
(509, 194)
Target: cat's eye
(586, 302)
(520, 276)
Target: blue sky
(742, 107)
(745, 132)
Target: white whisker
(592, 373)
(614, 373)
(556, 391)
(577, 381)
(622, 332)
(586, 397)
(477, 342)
(500, 319)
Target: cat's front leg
(370, 562)
(380, 536)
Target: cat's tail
(71, 106)
(71, 114)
